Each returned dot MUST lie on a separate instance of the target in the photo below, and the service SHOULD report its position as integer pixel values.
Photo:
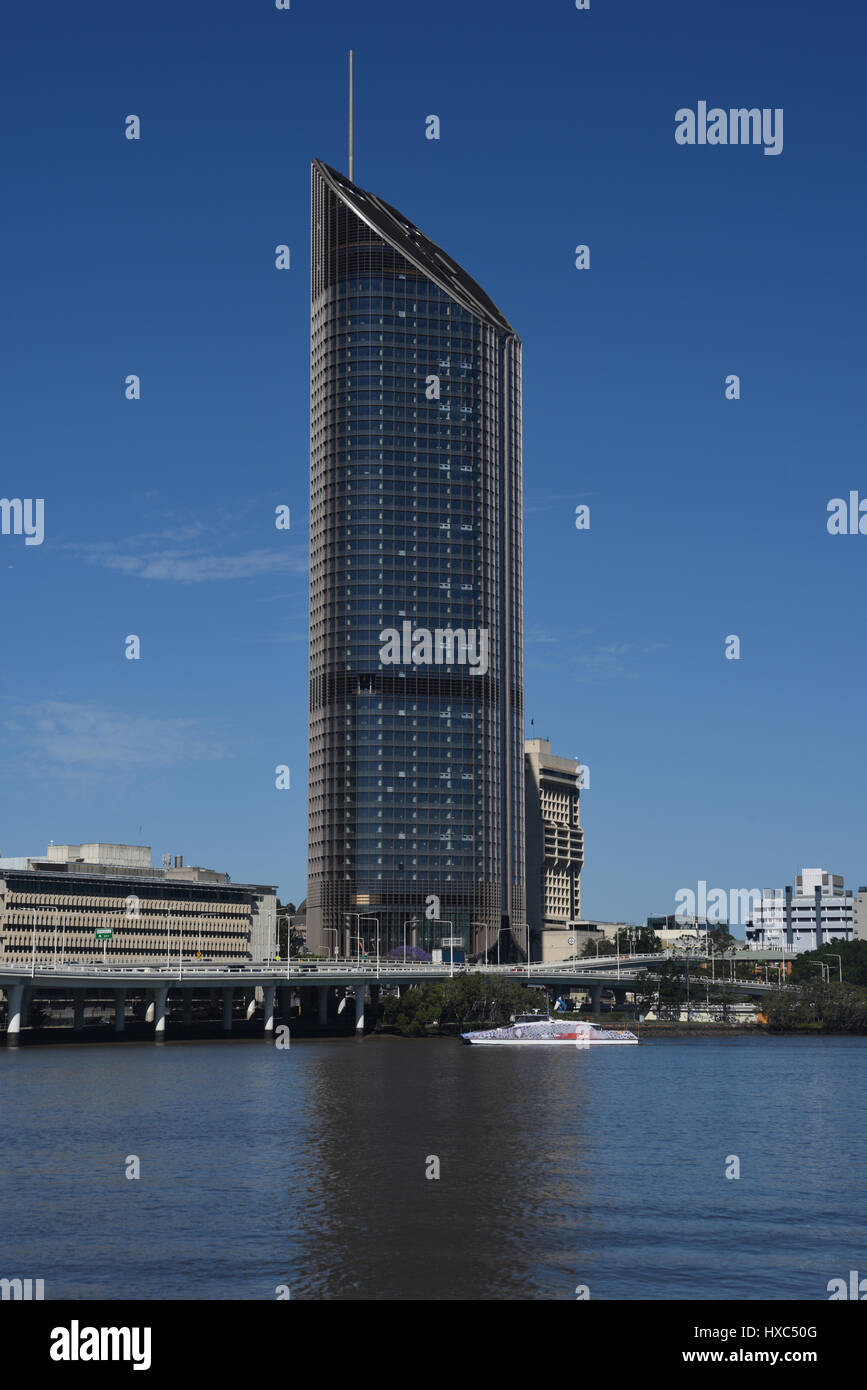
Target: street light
(839, 959)
(410, 922)
(369, 917)
(446, 922)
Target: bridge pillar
(188, 1007)
(14, 995)
(119, 1010)
(268, 993)
(228, 997)
(360, 992)
(160, 1012)
(595, 997)
(149, 1012)
(78, 1010)
(322, 998)
(251, 1006)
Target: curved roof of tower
(412, 243)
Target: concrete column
(149, 1012)
(268, 993)
(160, 1012)
(595, 998)
(789, 935)
(322, 997)
(119, 1010)
(251, 1006)
(228, 996)
(360, 992)
(14, 995)
(78, 1010)
(188, 1007)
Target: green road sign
(103, 933)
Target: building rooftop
(412, 243)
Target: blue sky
(708, 516)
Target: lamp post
(839, 959)
(526, 926)
(369, 917)
(445, 922)
(410, 922)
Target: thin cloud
(186, 566)
(59, 733)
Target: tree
(815, 1006)
(721, 938)
(645, 992)
(854, 960)
(602, 947)
(486, 1000)
(672, 991)
(647, 942)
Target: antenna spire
(351, 124)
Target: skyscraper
(416, 767)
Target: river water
(306, 1168)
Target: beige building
(555, 841)
(564, 943)
(859, 915)
(53, 906)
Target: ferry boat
(535, 1030)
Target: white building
(819, 910)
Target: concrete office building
(555, 845)
(819, 910)
(859, 915)
(416, 769)
(566, 943)
(52, 905)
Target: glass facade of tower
(416, 745)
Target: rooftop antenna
(351, 122)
